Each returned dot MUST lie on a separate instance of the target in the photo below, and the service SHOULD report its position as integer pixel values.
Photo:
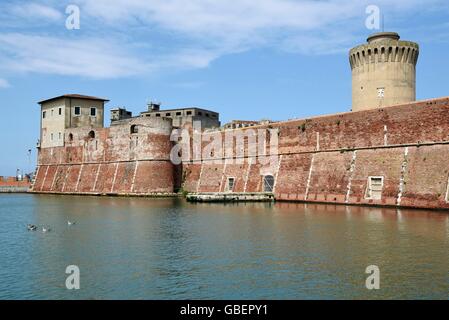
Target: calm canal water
(132, 248)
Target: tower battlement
(383, 71)
(380, 49)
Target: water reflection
(136, 248)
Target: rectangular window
(59, 135)
(189, 113)
(158, 114)
(93, 112)
(374, 188)
(44, 114)
(230, 185)
(168, 114)
(447, 191)
(178, 113)
(60, 111)
(268, 183)
(51, 137)
(77, 111)
(381, 93)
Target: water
(133, 248)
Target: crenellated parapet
(383, 48)
(383, 71)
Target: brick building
(390, 150)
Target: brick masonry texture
(112, 161)
(329, 158)
(11, 184)
(321, 159)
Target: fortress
(389, 150)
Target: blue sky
(247, 59)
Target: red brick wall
(293, 175)
(322, 159)
(191, 176)
(339, 152)
(427, 177)
(12, 182)
(114, 162)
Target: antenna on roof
(383, 22)
(153, 105)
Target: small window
(93, 112)
(60, 135)
(158, 114)
(447, 191)
(207, 115)
(268, 183)
(77, 111)
(381, 93)
(71, 137)
(189, 113)
(44, 114)
(134, 129)
(60, 111)
(92, 134)
(52, 112)
(168, 114)
(374, 188)
(200, 113)
(51, 137)
(230, 185)
(179, 113)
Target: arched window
(92, 134)
(134, 129)
(71, 137)
(268, 183)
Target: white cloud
(223, 22)
(4, 84)
(35, 11)
(250, 23)
(94, 58)
(131, 37)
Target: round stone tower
(383, 71)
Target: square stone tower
(68, 111)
